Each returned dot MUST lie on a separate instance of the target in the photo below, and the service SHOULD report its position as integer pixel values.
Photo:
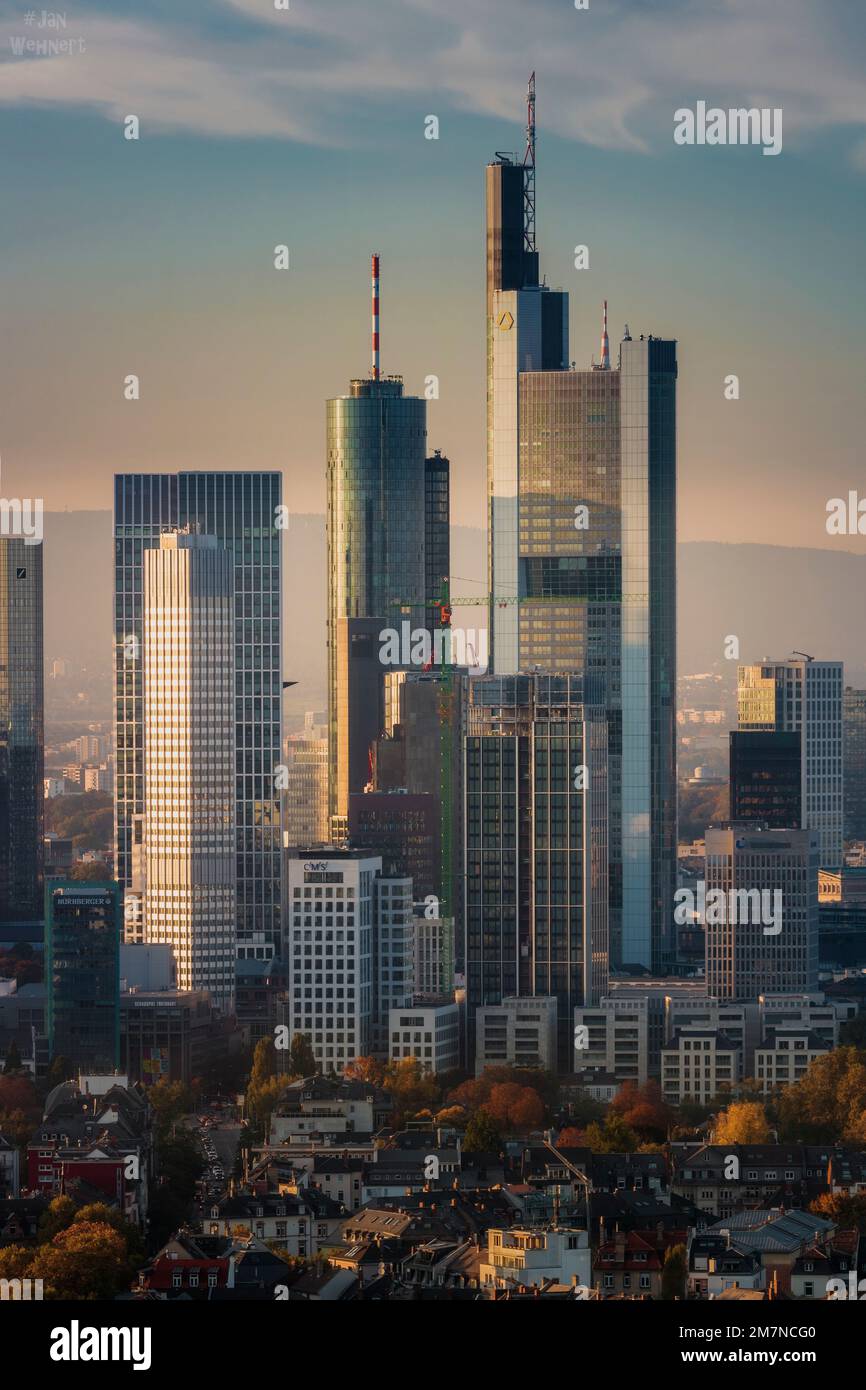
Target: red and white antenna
(605, 344)
(376, 371)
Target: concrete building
(785, 1055)
(527, 1256)
(521, 1031)
(699, 1065)
(614, 1036)
(762, 924)
(433, 952)
(188, 708)
(429, 1031)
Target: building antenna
(375, 287)
(605, 344)
(529, 170)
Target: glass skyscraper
(582, 548)
(376, 441)
(21, 731)
(854, 734)
(83, 925)
(536, 846)
(240, 510)
(802, 695)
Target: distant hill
(773, 598)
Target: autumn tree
(612, 1137)
(827, 1104)
(846, 1209)
(58, 1215)
(674, 1273)
(482, 1135)
(744, 1122)
(302, 1059)
(643, 1109)
(514, 1107)
(88, 1261)
(370, 1070)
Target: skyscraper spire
(375, 287)
(604, 364)
(529, 170)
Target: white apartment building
(785, 1055)
(530, 1255)
(614, 1036)
(698, 1064)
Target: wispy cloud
(609, 76)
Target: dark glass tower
(84, 922)
(766, 778)
(437, 532)
(241, 510)
(536, 906)
(21, 731)
(854, 762)
(376, 441)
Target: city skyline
(651, 212)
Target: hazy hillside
(773, 598)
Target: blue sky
(306, 127)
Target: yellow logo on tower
(505, 321)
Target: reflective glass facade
(376, 441)
(240, 510)
(854, 721)
(536, 846)
(83, 926)
(21, 731)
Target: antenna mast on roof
(375, 287)
(529, 170)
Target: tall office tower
(349, 924)
(21, 731)
(854, 762)
(305, 801)
(801, 695)
(241, 511)
(421, 753)
(762, 937)
(83, 924)
(393, 953)
(377, 489)
(766, 778)
(581, 471)
(189, 760)
(536, 848)
(437, 531)
(404, 829)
